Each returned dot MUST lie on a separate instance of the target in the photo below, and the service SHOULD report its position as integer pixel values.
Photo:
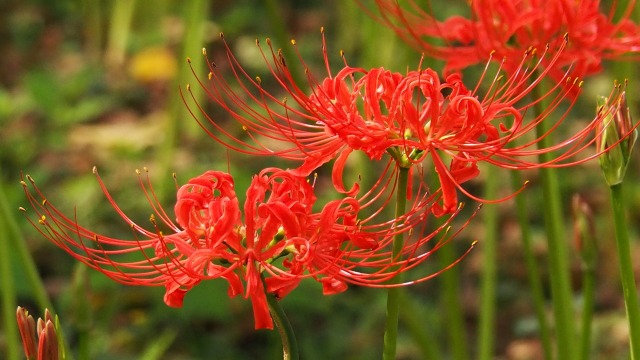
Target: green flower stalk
(617, 137)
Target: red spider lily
(507, 28)
(410, 116)
(270, 246)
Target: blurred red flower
(507, 28)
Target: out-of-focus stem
(557, 247)
(8, 291)
(588, 294)
(120, 24)
(487, 329)
(535, 285)
(413, 318)
(454, 320)
(194, 16)
(23, 256)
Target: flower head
(267, 245)
(410, 117)
(507, 28)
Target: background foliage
(87, 83)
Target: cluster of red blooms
(276, 239)
(409, 116)
(268, 245)
(506, 28)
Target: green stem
(287, 336)
(557, 246)
(535, 285)
(486, 336)
(626, 269)
(195, 19)
(393, 294)
(558, 265)
(588, 293)
(458, 342)
(8, 290)
(194, 16)
(24, 258)
(82, 310)
(119, 30)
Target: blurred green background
(87, 83)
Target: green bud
(615, 138)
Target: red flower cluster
(410, 116)
(278, 237)
(507, 28)
(269, 245)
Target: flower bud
(49, 345)
(615, 139)
(27, 327)
(584, 231)
(48, 342)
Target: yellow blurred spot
(153, 64)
